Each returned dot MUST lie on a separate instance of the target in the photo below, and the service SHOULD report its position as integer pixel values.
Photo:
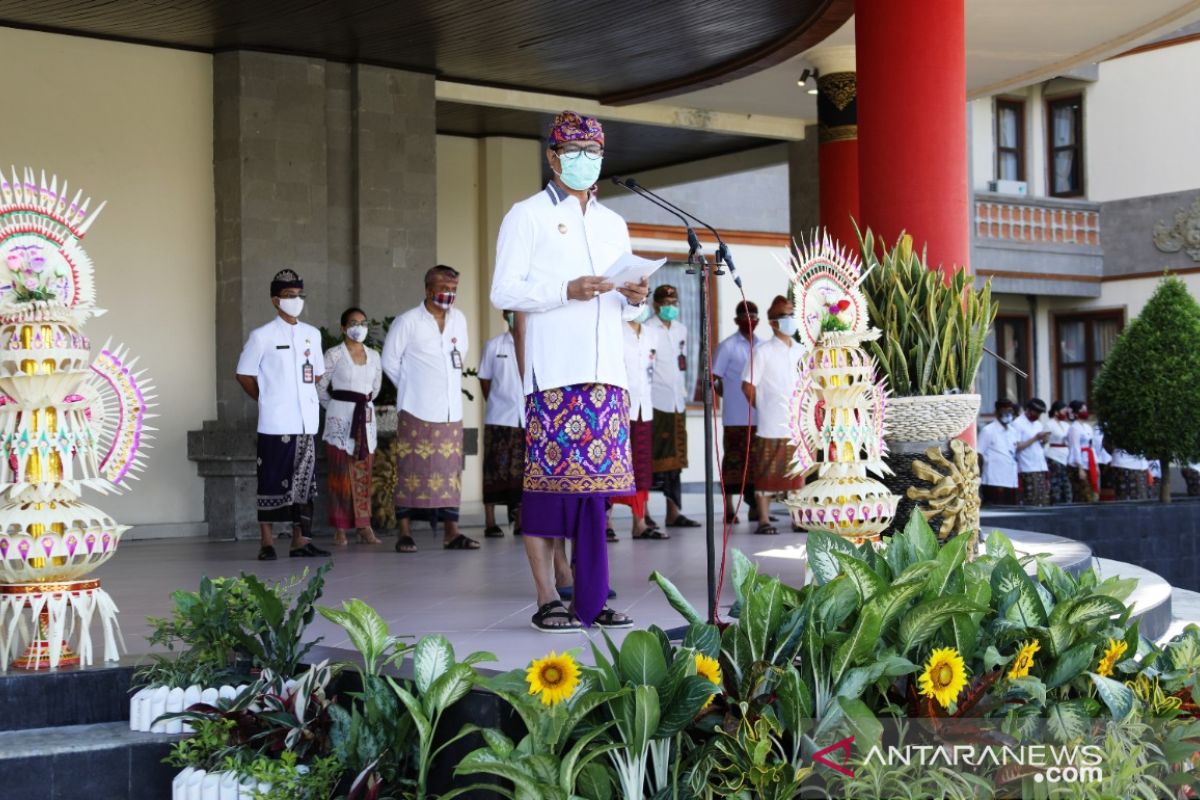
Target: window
(1008, 339)
(1010, 140)
(1082, 342)
(1065, 138)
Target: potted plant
(934, 331)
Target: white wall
(133, 125)
(1143, 124)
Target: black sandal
(555, 610)
(405, 544)
(683, 522)
(766, 530)
(494, 532)
(611, 535)
(461, 542)
(608, 618)
(267, 553)
(652, 533)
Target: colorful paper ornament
(67, 421)
(838, 407)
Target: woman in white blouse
(353, 375)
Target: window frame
(1052, 103)
(1018, 105)
(1027, 367)
(1090, 364)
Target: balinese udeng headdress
(285, 279)
(572, 127)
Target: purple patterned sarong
(577, 454)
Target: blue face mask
(668, 313)
(579, 171)
(787, 325)
(645, 315)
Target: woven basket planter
(931, 418)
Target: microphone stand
(700, 268)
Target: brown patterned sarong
(735, 442)
(771, 460)
(1130, 484)
(670, 450)
(641, 444)
(429, 463)
(503, 464)
(1035, 488)
(349, 489)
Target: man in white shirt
(503, 429)
(1032, 469)
(997, 448)
(737, 416)
(639, 367)
(669, 396)
(551, 255)
(279, 367)
(423, 355)
(1058, 425)
(768, 382)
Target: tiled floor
(481, 600)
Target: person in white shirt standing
(1059, 427)
(503, 429)
(551, 255)
(1130, 475)
(1081, 456)
(423, 356)
(1032, 469)
(639, 367)
(768, 383)
(669, 395)
(279, 367)
(351, 382)
(997, 448)
(737, 416)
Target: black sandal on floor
(607, 618)
(611, 535)
(267, 553)
(494, 532)
(405, 544)
(683, 522)
(766, 530)
(461, 542)
(652, 533)
(557, 611)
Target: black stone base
(67, 696)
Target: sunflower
(944, 677)
(1024, 660)
(1112, 655)
(554, 677)
(708, 668)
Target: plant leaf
(433, 656)
(1116, 695)
(676, 599)
(642, 659)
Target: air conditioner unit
(1009, 187)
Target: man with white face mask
(997, 449)
(279, 367)
(423, 356)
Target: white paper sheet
(629, 268)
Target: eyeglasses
(592, 151)
(292, 296)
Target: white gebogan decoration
(839, 403)
(67, 421)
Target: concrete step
(1151, 600)
(1185, 610)
(101, 761)
(66, 696)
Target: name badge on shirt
(683, 356)
(370, 413)
(455, 356)
(308, 372)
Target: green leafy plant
(1145, 393)
(560, 756)
(933, 329)
(208, 745)
(439, 682)
(374, 737)
(290, 780)
(276, 644)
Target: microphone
(633, 186)
(723, 254)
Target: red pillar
(837, 151)
(912, 124)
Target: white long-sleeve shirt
(729, 365)
(1079, 437)
(1033, 457)
(342, 374)
(1056, 446)
(773, 373)
(669, 392)
(639, 366)
(998, 446)
(545, 242)
(419, 359)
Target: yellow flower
(1112, 655)
(708, 668)
(554, 677)
(944, 677)
(1024, 660)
